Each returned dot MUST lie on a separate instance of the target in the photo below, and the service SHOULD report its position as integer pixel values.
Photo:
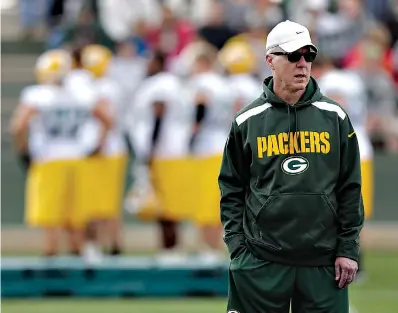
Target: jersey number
(63, 123)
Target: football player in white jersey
(160, 134)
(107, 170)
(210, 95)
(347, 88)
(238, 59)
(127, 68)
(47, 125)
(78, 78)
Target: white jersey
(175, 130)
(128, 73)
(245, 88)
(348, 89)
(215, 126)
(56, 130)
(109, 90)
(78, 81)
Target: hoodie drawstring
(296, 126)
(288, 134)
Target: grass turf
(378, 294)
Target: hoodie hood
(311, 94)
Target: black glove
(191, 144)
(128, 143)
(25, 159)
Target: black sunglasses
(294, 57)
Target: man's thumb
(337, 269)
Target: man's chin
(300, 86)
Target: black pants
(257, 286)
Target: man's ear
(269, 61)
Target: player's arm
(19, 129)
(200, 113)
(20, 126)
(101, 112)
(233, 181)
(158, 111)
(349, 197)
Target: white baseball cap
(289, 36)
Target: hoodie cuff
(348, 250)
(234, 244)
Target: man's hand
(346, 269)
(95, 152)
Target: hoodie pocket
(297, 222)
(246, 261)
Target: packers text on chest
(293, 142)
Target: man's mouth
(300, 76)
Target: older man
(290, 182)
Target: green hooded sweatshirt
(290, 181)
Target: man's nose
(302, 62)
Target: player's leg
(259, 286)
(100, 206)
(91, 233)
(116, 179)
(51, 239)
(207, 215)
(169, 233)
(141, 199)
(211, 235)
(367, 194)
(76, 217)
(316, 291)
(168, 183)
(75, 240)
(367, 187)
(169, 252)
(211, 238)
(44, 206)
(171, 183)
(366, 152)
(114, 226)
(88, 199)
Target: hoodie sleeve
(232, 182)
(349, 197)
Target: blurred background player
(106, 169)
(160, 135)
(210, 95)
(239, 61)
(47, 126)
(127, 68)
(77, 80)
(346, 87)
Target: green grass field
(378, 294)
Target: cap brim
(297, 44)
